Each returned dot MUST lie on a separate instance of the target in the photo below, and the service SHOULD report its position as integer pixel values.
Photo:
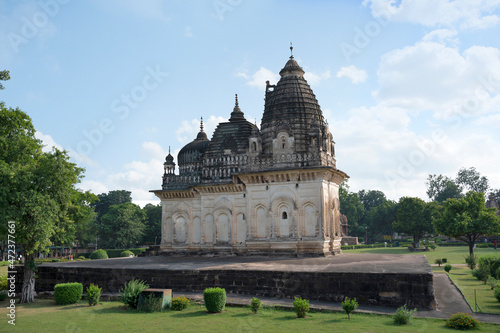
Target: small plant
(481, 274)
(99, 254)
(3, 282)
(492, 282)
(462, 321)
(301, 306)
(433, 246)
(496, 292)
(81, 258)
(131, 291)
(255, 305)
(447, 268)
(150, 303)
(68, 293)
(126, 253)
(471, 261)
(180, 303)
(215, 299)
(349, 305)
(403, 315)
(445, 260)
(93, 294)
(438, 261)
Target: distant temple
(251, 191)
(492, 203)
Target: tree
(153, 224)
(106, 200)
(352, 208)
(371, 198)
(470, 179)
(122, 226)
(84, 218)
(467, 219)
(35, 189)
(414, 218)
(496, 193)
(381, 218)
(440, 188)
(4, 76)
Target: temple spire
(201, 125)
(291, 50)
(237, 114)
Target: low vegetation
(131, 292)
(68, 293)
(215, 299)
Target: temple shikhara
(272, 190)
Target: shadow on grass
(192, 314)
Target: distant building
(251, 191)
(492, 203)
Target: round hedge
(126, 253)
(215, 299)
(99, 254)
(68, 293)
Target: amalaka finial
(201, 125)
(291, 51)
(169, 150)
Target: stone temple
(272, 190)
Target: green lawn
(46, 316)
(454, 254)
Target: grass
(454, 254)
(46, 316)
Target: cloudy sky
(409, 88)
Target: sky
(409, 88)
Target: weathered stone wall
(384, 289)
(348, 240)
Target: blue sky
(409, 88)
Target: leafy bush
(349, 305)
(301, 306)
(403, 315)
(489, 263)
(462, 321)
(447, 268)
(3, 295)
(215, 299)
(496, 292)
(68, 293)
(126, 253)
(433, 246)
(82, 258)
(3, 282)
(99, 254)
(131, 291)
(492, 282)
(471, 261)
(180, 303)
(445, 260)
(481, 274)
(438, 261)
(497, 273)
(255, 304)
(55, 260)
(150, 303)
(93, 294)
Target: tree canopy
(471, 180)
(467, 219)
(414, 217)
(440, 188)
(4, 76)
(122, 226)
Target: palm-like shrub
(403, 315)
(93, 294)
(131, 291)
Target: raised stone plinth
(374, 279)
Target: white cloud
(433, 76)
(314, 79)
(489, 121)
(259, 78)
(47, 141)
(188, 32)
(190, 128)
(353, 73)
(447, 36)
(463, 14)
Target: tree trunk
(28, 290)
(471, 248)
(416, 241)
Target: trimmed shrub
(471, 261)
(56, 260)
(445, 260)
(481, 274)
(433, 246)
(3, 282)
(131, 291)
(99, 254)
(126, 253)
(93, 294)
(255, 305)
(447, 268)
(3, 295)
(81, 258)
(462, 321)
(349, 305)
(438, 261)
(150, 303)
(403, 315)
(179, 303)
(215, 299)
(68, 293)
(301, 306)
(496, 292)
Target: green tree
(152, 232)
(440, 188)
(371, 198)
(4, 76)
(84, 218)
(122, 226)
(467, 219)
(106, 200)
(352, 208)
(35, 189)
(414, 217)
(381, 218)
(471, 180)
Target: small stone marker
(164, 294)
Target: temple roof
(193, 151)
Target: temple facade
(272, 190)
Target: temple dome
(193, 151)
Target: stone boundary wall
(383, 289)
